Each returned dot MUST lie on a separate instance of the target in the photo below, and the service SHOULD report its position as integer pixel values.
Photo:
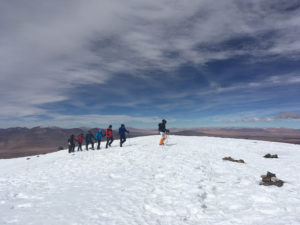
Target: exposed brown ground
(267, 134)
(15, 153)
(20, 142)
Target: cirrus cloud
(50, 48)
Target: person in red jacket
(109, 136)
(80, 140)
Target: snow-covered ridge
(185, 182)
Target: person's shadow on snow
(170, 144)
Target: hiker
(122, 133)
(80, 140)
(163, 131)
(109, 136)
(71, 143)
(99, 136)
(89, 140)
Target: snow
(185, 182)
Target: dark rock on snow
(271, 179)
(233, 160)
(271, 156)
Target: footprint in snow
(114, 176)
(203, 206)
(25, 205)
(203, 196)
(158, 211)
(157, 176)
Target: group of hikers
(91, 139)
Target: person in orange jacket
(163, 131)
(109, 136)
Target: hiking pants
(163, 138)
(79, 146)
(99, 142)
(71, 148)
(87, 144)
(109, 140)
(122, 140)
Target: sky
(195, 63)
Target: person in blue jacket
(89, 140)
(99, 136)
(122, 133)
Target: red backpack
(80, 138)
(108, 133)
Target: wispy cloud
(281, 116)
(258, 119)
(48, 48)
(93, 120)
(289, 115)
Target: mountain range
(21, 141)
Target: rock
(271, 179)
(278, 183)
(271, 156)
(269, 174)
(233, 160)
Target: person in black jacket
(71, 143)
(163, 131)
(89, 140)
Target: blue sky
(195, 63)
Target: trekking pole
(167, 138)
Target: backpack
(160, 127)
(99, 135)
(108, 133)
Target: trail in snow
(185, 182)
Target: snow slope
(186, 182)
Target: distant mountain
(20, 141)
(268, 134)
